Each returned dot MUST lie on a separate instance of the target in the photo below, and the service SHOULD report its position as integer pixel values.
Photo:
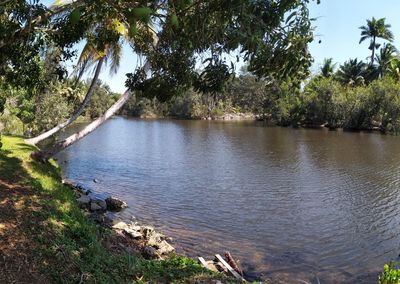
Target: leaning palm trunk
(85, 131)
(37, 139)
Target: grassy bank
(45, 237)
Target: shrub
(52, 109)
(390, 274)
(10, 123)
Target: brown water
(290, 204)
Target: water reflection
(290, 203)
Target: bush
(52, 109)
(317, 100)
(10, 124)
(389, 112)
(390, 274)
(324, 100)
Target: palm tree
(373, 30)
(384, 58)
(46, 154)
(352, 72)
(90, 56)
(327, 68)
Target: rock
(69, 183)
(120, 226)
(147, 231)
(155, 239)
(98, 218)
(95, 207)
(150, 253)
(83, 201)
(115, 204)
(111, 219)
(165, 248)
(133, 233)
(83, 189)
(135, 227)
(96, 197)
(99, 199)
(102, 204)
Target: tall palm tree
(384, 58)
(373, 30)
(352, 72)
(328, 67)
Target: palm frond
(113, 56)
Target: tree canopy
(271, 35)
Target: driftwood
(230, 269)
(219, 264)
(208, 264)
(233, 263)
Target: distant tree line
(356, 95)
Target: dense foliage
(173, 36)
(325, 101)
(244, 94)
(25, 114)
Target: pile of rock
(153, 245)
(87, 199)
(150, 243)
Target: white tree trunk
(86, 130)
(47, 134)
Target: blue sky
(337, 26)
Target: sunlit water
(290, 204)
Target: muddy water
(290, 204)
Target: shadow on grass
(45, 237)
(18, 204)
(27, 147)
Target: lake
(291, 204)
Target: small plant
(390, 274)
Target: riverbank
(46, 238)
(225, 116)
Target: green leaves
(375, 28)
(390, 274)
(133, 29)
(142, 14)
(75, 16)
(174, 20)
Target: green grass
(69, 245)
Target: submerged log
(233, 263)
(230, 269)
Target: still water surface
(290, 204)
